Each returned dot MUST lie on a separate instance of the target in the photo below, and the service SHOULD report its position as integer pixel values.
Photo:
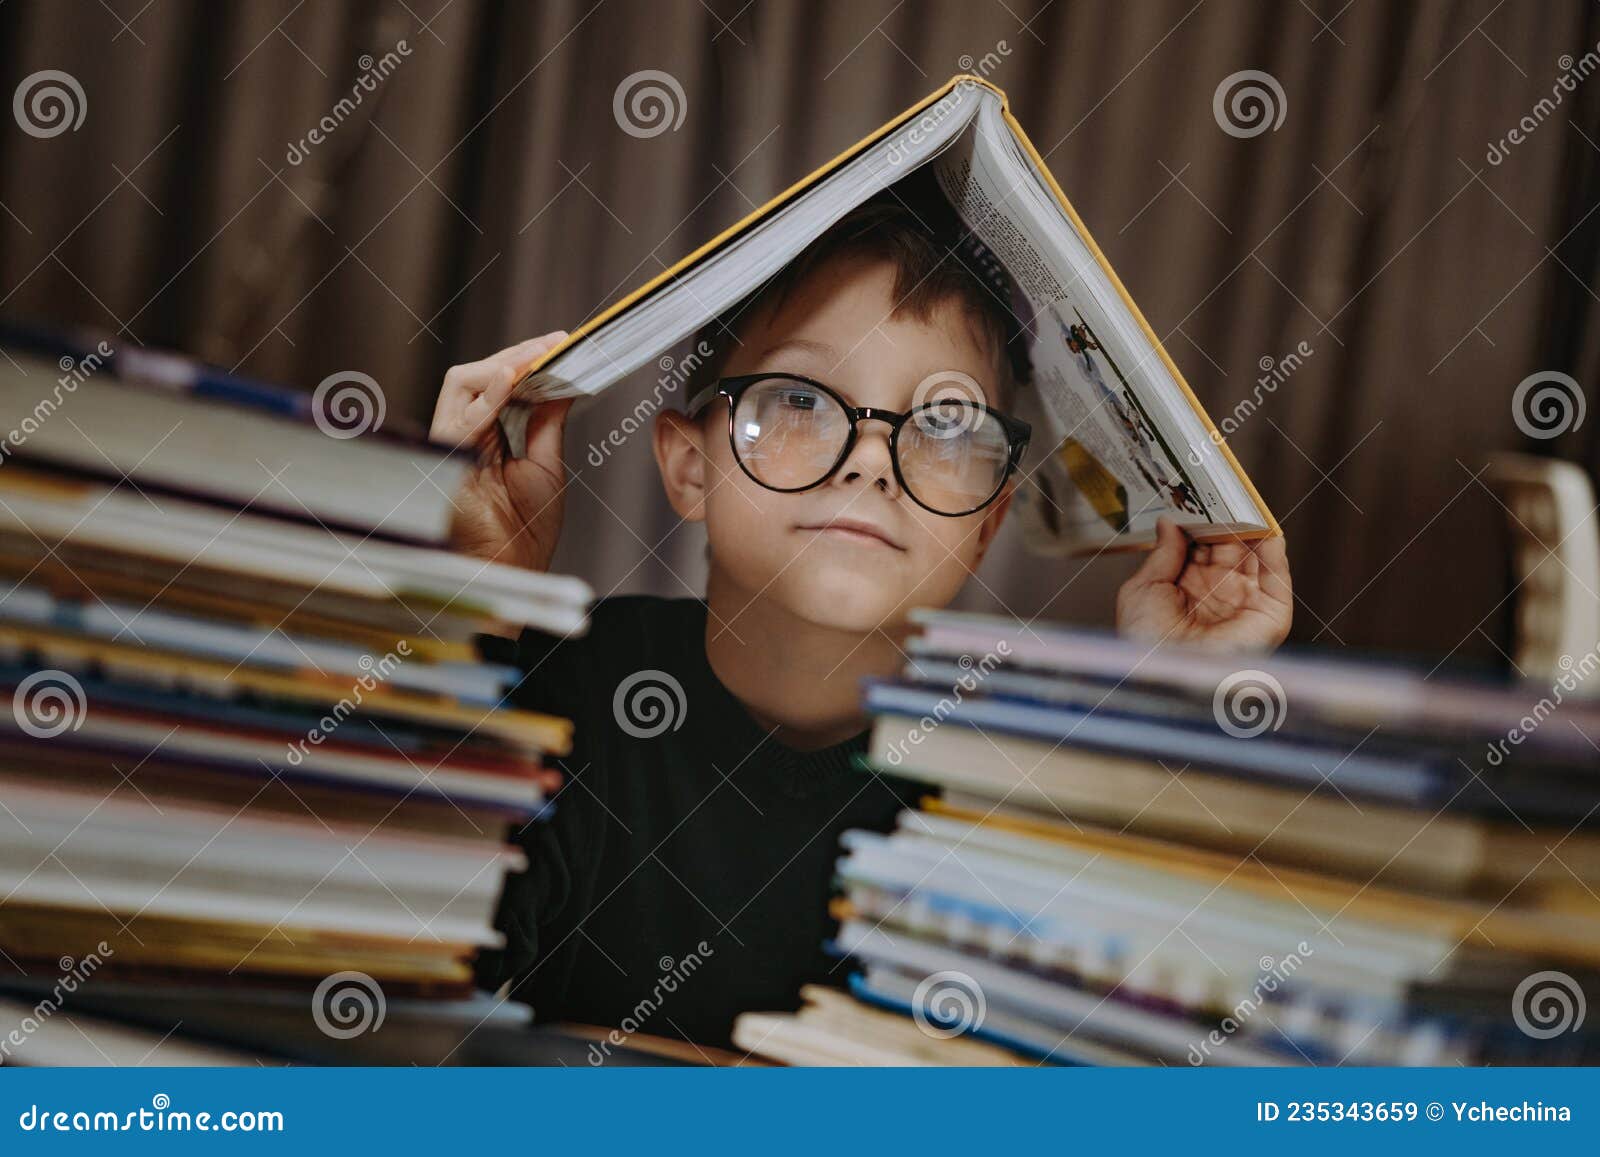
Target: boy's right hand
(509, 509)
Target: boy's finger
(1231, 554)
(1165, 563)
(546, 422)
(526, 352)
(497, 386)
(488, 373)
(499, 374)
(474, 392)
(1273, 555)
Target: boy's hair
(936, 261)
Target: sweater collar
(753, 750)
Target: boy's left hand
(1229, 594)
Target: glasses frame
(1018, 433)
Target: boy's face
(854, 553)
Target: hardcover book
(1125, 440)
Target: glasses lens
(953, 455)
(788, 433)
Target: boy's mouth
(853, 529)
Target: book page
(1113, 461)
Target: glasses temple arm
(700, 400)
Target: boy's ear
(680, 454)
(993, 517)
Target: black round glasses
(951, 455)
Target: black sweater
(685, 875)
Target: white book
(72, 1040)
(169, 857)
(245, 899)
(184, 533)
(236, 455)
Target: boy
(685, 875)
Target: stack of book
(1173, 856)
(250, 738)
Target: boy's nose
(870, 460)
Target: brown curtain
(482, 191)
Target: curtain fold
(483, 190)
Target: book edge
(753, 217)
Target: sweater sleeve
(573, 854)
(544, 895)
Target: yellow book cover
(1120, 438)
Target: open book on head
(1119, 439)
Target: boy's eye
(944, 419)
(800, 399)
